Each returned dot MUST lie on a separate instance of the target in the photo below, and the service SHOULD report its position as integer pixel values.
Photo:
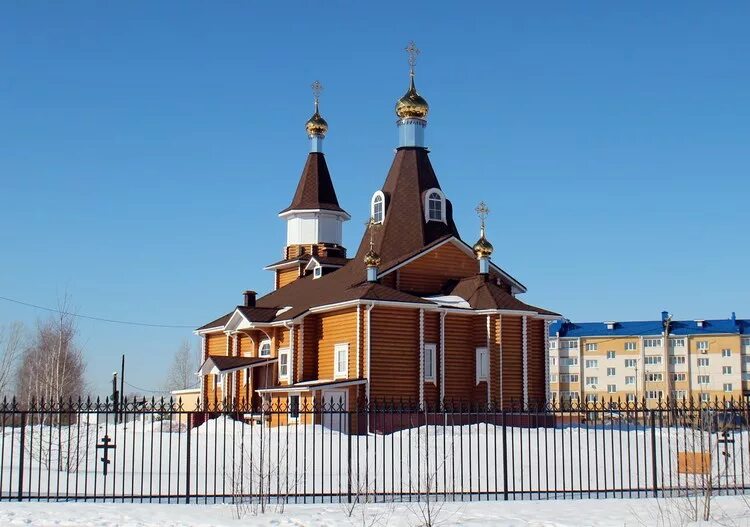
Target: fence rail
(159, 451)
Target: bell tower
(314, 219)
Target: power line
(144, 389)
(97, 319)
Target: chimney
(249, 298)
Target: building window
(679, 377)
(746, 376)
(552, 361)
(704, 379)
(679, 394)
(264, 350)
(677, 360)
(482, 367)
(631, 346)
(429, 362)
(630, 379)
(552, 344)
(610, 372)
(702, 345)
(654, 394)
(676, 343)
(727, 387)
(341, 360)
(703, 361)
(592, 346)
(651, 343)
(726, 370)
(705, 397)
(568, 361)
(553, 377)
(611, 388)
(746, 342)
(610, 354)
(592, 381)
(631, 363)
(726, 352)
(591, 398)
(569, 344)
(377, 207)
(293, 406)
(630, 398)
(284, 364)
(653, 359)
(592, 363)
(317, 272)
(568, 377)
(435, 205)
(654, 377)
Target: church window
(429, 362)
(284, 363)
(341, 358)
(377, 207)
(265, 349)
(317, 272)
(434, 205)
(482, 364)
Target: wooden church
(415, 314)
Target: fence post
(652, 419)
(187, 477)
(20, 456)
(505, 458)
(349, 463)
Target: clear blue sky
(145, 149)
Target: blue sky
(145, 149)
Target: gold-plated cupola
(412, 104)
(316, 125)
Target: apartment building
(651, 360)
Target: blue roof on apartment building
(566, 328)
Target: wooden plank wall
(432, 336)
(307, 361)
(479, 334)
(512, 360)
(428, 273)
(536, 359)
(394, 357)
(337, 327)
(496, 373)
(459, 358)
(286, 276)
(216, 344)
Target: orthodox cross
(317, 88)
(482, 211)
(413, 51)
(725, 440)
(106, 440)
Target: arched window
(434, 205)
(377, 207)
(265, 349)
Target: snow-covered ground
(732, 511)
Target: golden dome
(483, 248)
(372, 259)
(316, 125)
(412, 104)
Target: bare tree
(181, 374)
(12, 339)
(52, 366)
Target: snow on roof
(449, 301)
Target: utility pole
(667, 322)
(122, 388)
(115, 395)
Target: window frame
(337, 349)
(426, 203)
(377, 199)
(430, 350)
(293, 415)
(260, 348)
(284, 352)
(630, 346)
(482, 364)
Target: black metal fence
(163, 452)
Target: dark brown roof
(315, 189)
(258, 314)
(482, 293)
(300, 259)
(223, 362)
(404, 230)
(219, 322)
(330, 260)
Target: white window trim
(477, 354)
(317, 271)
(378, 194)
(284, 351)
(426, 204)
(337, 348)
(260, 347)
(430, 349)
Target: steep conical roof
(315, 189)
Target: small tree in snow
(181, 375)
(12, 340)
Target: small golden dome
(316, 125)
(412, 104)
(483, 248)
(372, 259)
